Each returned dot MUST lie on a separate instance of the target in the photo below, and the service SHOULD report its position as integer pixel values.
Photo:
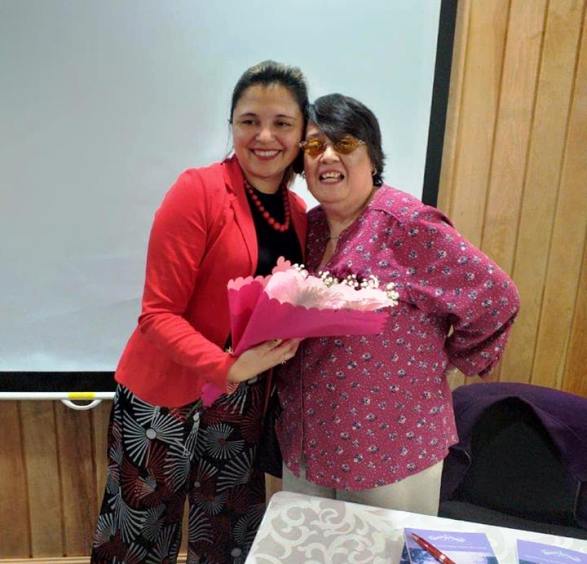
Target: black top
(273, 244)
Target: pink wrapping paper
(256, 317)
(267, 318)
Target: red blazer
(202, 236)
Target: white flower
(295, 286)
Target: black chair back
(516, 468)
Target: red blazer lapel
(233, 177)
(299, 219)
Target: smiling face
(267, 126)
(341, 183)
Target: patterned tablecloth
(300, 529)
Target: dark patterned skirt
(158, 457)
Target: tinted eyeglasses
(315, 146)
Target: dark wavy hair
(337, 115)
(267, 73)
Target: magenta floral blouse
(367, 411)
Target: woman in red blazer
(230, 219)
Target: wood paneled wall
(514, 180)
(514, 175)
(52, 465)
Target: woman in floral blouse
(370, 419)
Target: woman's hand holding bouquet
(290, 305)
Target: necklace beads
(281, 227)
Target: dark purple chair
(521, 460)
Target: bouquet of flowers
(291, 303)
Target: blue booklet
(462, 548)
(538, 553)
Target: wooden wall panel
(39, 438)
(78, 482)
(512, 131)
(546, 149)
(100, 420)
(519, 192)
(575, 379)
(568, 236)
(482, 76)
(15, 541)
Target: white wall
(104, 102)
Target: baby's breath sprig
(351, 280)
(371, 282)
(328, 279)
(300, 268)
(392, 293)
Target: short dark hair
(267, 73)
(337, 115)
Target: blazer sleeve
(177, 244)
(448, 277)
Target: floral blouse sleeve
(447, 276)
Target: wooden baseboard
(65, 560)
(70, 560)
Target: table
(301, 529)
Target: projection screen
(104, 103)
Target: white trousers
(419, 493)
